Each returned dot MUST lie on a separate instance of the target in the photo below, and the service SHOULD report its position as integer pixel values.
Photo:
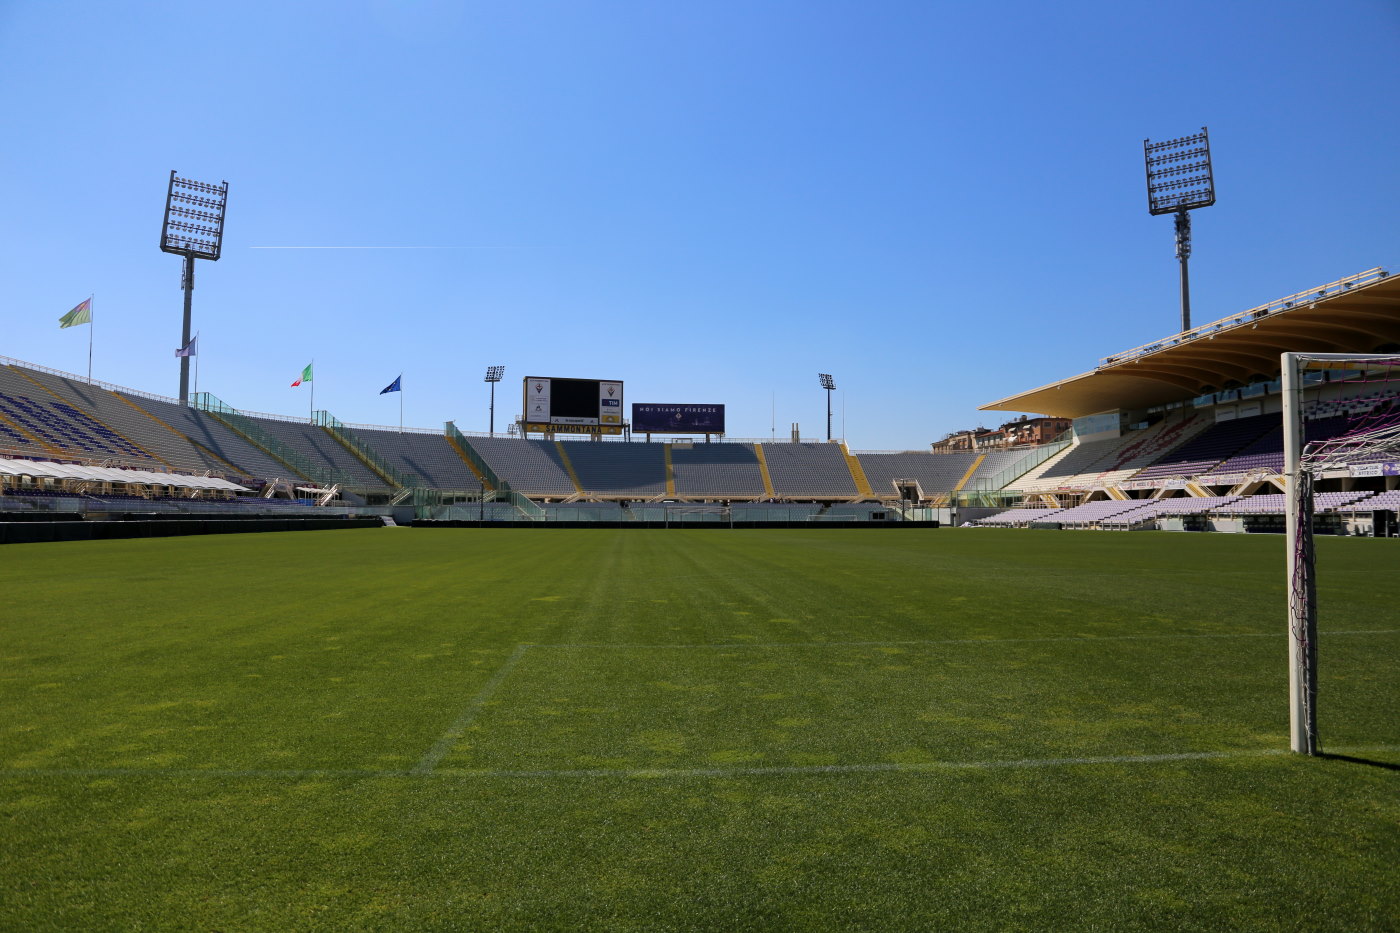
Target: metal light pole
(493, 376)
(828, 384)
(194, 229)
(1180, 179)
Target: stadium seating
(1105, 462)
(58, 425)
(534, 468)
(718, 470)
(1012, 518)
(1202, 453)
(314, 443)
(1277, 503)
(936, 473)
(626, 469)
(206, 431)
(1091, 513)
(428, 456)
(1381, 501)
(809, 471)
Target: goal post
(1374, 434)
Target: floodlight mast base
(1302, 601)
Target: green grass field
(413, 729)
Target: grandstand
(1185, 432)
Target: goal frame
(1299, 556)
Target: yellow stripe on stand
(970, 470)
(763, 469)
(569, 467)
(857, 472)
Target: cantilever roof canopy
(1359, 314)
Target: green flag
(82, 314)
(305, 376)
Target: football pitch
(441, 729)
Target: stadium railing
(1034, 458)
(475, 459)
(358, 446)
(249, 428)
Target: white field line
(754, 771)
(455, 731)
(960, 641)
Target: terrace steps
(670, 472)
(970, 470)
(569, 468)
(857, 472)
(763, 470)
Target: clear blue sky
(939, 203)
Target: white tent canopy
(44, 469)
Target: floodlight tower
(193, 228)
(1179, 179)
(493, 376)
(828, 384)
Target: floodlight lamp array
(494, 373)
(1179, 174)
(194, 218)
(826, 380)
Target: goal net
(1352, 431)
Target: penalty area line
(458, 728)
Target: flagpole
(312, 414)
(400, 403)
(90, 327)
(196, 363)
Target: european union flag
(393, 386)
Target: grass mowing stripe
(457, 729)
(963, 641)
(491, 773)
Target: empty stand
(430, 457)
(529, 466)
(34, 412)
(316, 444)
(208, 432)
(809, 471)
(1212, 446)
(936, 473)
(716, 470)
(619, 469)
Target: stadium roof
(1359, 314)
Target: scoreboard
(573, 406)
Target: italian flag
(304, 377)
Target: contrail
(385, 247)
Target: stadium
(1185, 433)
(604, 676)
(599, 655)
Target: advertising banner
(673, 418)
(537, 400)
(610, 403)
